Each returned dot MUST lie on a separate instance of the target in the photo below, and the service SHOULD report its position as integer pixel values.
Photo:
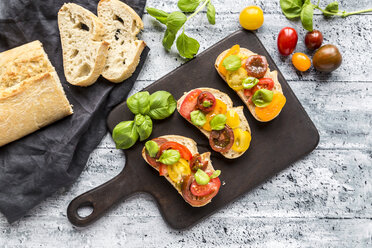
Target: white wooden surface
(324, 200)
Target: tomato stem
(339, 13)
(198, 10)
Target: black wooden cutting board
(274, 147)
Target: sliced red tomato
(163, 169)
(199, 200)
(264, 83)
(204, 190)
(184, 152)
(189, 104)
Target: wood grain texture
(323, 200)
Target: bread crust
(244, 125)
(191, 145)
(269, 74)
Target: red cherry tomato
(263, 83)
(204, 190)
(287, 41)
(313, 40)
(208, 97)
(184, 152)
(188, 105)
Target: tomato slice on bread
(184, 152)
(189, 104)
(204, 190)
(264, 83)
(199, 200)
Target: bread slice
(122, 24)
(191, 145)
(31, 95)
(83, 46)
(269, 74)
(231, 154)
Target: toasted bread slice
(191, 145)
(122, 24)
(231, 154)
(269, 74)
(83, 47)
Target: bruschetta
(191, 174)
(249, 75)
(212, 112)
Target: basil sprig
(305, 10)
(187, 46)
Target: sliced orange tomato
(220, 108)
(273, 109)
(233, 50)
(232, 119)
(242, 140)
(178, 170)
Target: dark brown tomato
(256, 66)
(327, 58)
(313, 39)
(206, 98)
(152, 161)
(196, 200)
(197, 163)
(222, 140)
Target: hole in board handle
(85, 210)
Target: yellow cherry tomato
(251, 18)
(219, 108)
(301, 61)
(235, 78)
(232, 119)
(273, 109)
(242, 140)
(178, 170)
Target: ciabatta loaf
(83, 46)
(31, 95)
(122, 24)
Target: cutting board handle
(101, 198)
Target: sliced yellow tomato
(235, 78)
(273, 109)
(233, 50)
(220, 108)
(232, 119)
(242, 140)
(178, 170)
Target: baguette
(31, 95)
(269, 74)
(191, 145)
(230, 154)
(83, 47)
(122, 24)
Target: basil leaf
(152, 148)
(139, 103)
(188, 5)
(218, 122)
(143, 126)
(198, 118)
(201, 177)
(160, 15)
(332, 7)
(169, 157)
(187, 46)
(162, 105)
(291, 8)
(211, 13)
(262, 97)
(215, 174)
(250, 82)
(168, 39)
(307, 16)
(175, 21)
(125, 134)
(232, 63)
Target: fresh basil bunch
(158, 105)
(305, 10)
(187, 47)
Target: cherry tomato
(204, 190)
(256, 66)
(287, 41)
(221, 140)
(242, 140)
(184, 151)
(197, 163)
(189, 103)
(301, 61)
(313, 40)
(263, 83)
(206, 98)
(251, 17)
(198, 200)
(178, 170)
